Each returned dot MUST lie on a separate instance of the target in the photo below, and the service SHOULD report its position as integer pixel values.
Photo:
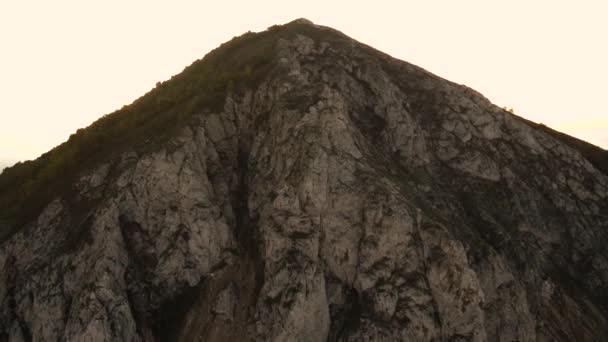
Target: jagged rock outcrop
(348, 197)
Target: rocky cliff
(342, 196)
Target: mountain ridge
(322, 191)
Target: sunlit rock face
(348, 197)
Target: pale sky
(63, 64)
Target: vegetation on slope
(149, 121)
(597, 156)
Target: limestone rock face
(348, 197)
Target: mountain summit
(296, 185)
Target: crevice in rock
(171, 315)
(11, 270)
(422, 255)
(370, 124)
(134, 297)
(246, 225)
(346, 318)
(244, 270)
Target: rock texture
(348, 197)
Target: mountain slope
(296, 185)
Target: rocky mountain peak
(297, 185)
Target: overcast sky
(63, 64)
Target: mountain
(297, 185)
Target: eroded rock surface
(349, 197)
